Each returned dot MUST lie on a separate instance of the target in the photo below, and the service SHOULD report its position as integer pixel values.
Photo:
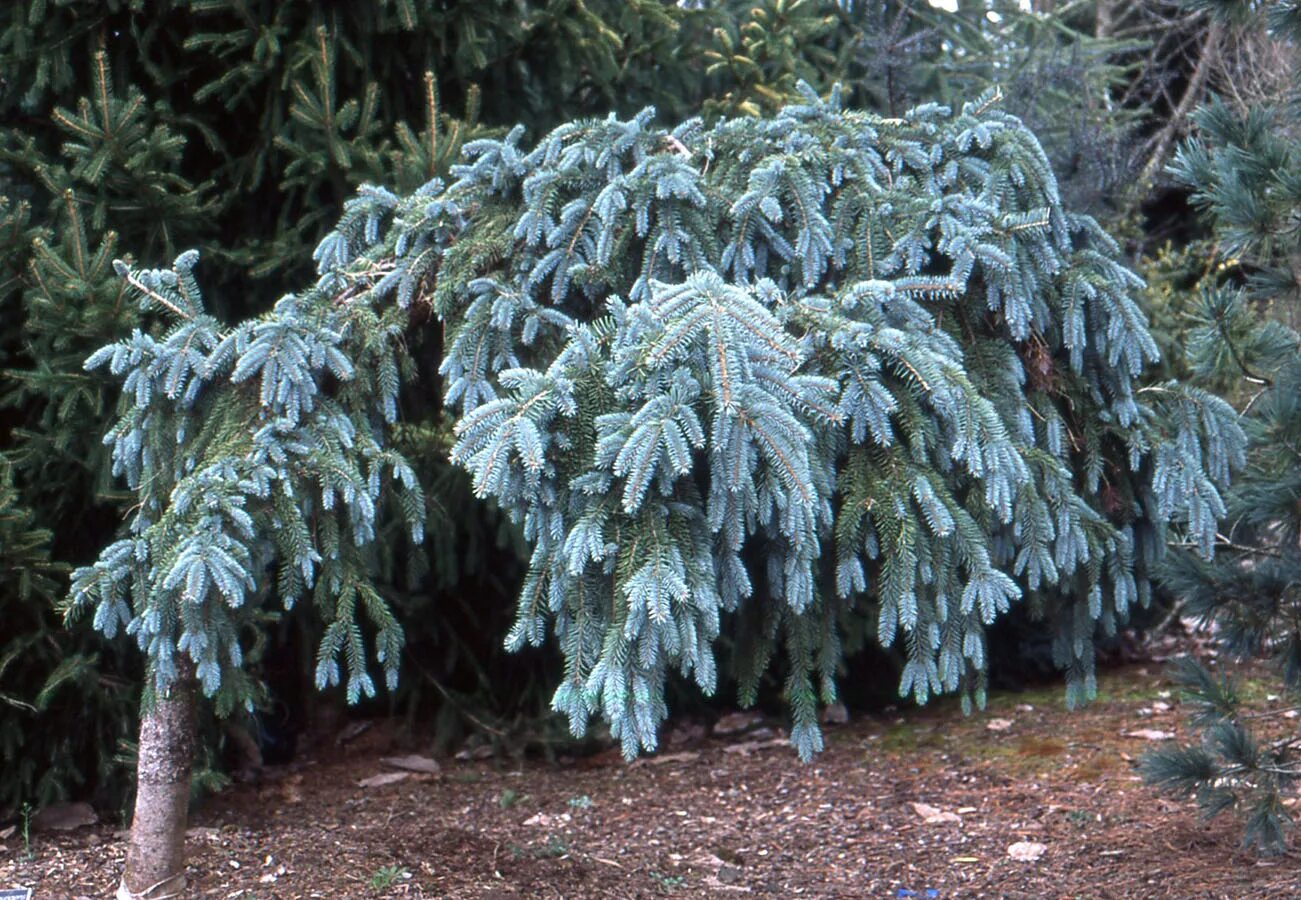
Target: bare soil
(725, 814)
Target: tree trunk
(1193, 94)
(155, 862)
(1105, 21)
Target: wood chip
(1150, 734)
(745, 748)
(383, 778)
(933, 815)
(413, 764)
(664, 759)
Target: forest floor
(919, 803)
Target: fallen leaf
(383, 778)
(1026, 851)
(932, 815)
(64, 817)
(999, 724)
(413, 764)
(7, 833)
(1150, 734)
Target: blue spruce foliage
(818, 375)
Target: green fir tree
(804, 377)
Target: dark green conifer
(1244, 172)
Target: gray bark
(1193, 95)
(155, 863)
(1106, 22)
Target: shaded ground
(727, 815)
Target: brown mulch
(726, 815)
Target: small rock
(835, 714)
(1150, 734)
(729, 874)
(413, 763)
(64, 817)
(1024, 708)
(736, 722)
(1026, 851)
(272, 877)
(932, 815)
(1161, 706)
(999, 724)
(383, 778)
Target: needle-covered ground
(911, 804)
